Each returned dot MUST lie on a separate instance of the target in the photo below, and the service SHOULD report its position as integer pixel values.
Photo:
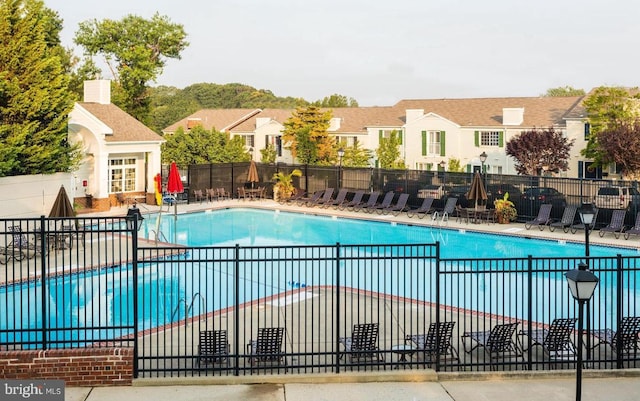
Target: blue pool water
(105, 297)
(248, 227)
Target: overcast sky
(379, 52)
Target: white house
(122, 155)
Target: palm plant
(283, 188)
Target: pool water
(251, 227)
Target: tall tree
(607, 109)
(200, 146)
(356, 156)
(305, 134)
(34, 98)
(388, 152)
(564, 91)
(535, 149)
(620, 144)
(336, 100)
(135, 50)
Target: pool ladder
(188, 307)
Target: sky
(379, 52)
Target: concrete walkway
(492, 388)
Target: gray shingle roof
(125, 127)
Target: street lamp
(582, 284)
(483, 158)
(340, 156)
(134, 218)
(587, 213)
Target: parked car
(532, 198)
(618, 198)
(459, 192)
(497, 191)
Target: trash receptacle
(89, 201)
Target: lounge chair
(267, 348)
(543, 219)
(568, 217)
(499, 342)
(449, 208)
(213, 347)
(436, 343)
(356, 201)
(423, 210)
(21, 244)
(616, 225)
(363, 343)
(575, 227)
(624, 341)
(325, 198)
(386, 202)
(372, 201)
(312, 198)
(340, 199)
(398, 207)
(556, 340)
(635, 230)
(295, 197)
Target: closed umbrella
(174, 185)
(62, 206)
(252, 176)
(477, 192)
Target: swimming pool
(248, 227)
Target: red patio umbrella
(174, 185)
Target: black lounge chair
(213, 347)
(635, 230)
(398, 207)
(499, 342)
(326, 197)
(267, 348)
(616, 225)
(21, 244)
(449, 209)
(556, 340)
(340, 199)
(363, 343)
(423, 210)
(436, 343)
(357, 200)
(386, 202)
(543, 219)
(568, 217)
(624, 341)
(373, 200)
(297, 195)
(575, 227)
(311, 199)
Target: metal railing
(111, 288)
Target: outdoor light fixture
(442, 165)
(483, 158)
(582, 284)
(587, 213)
(134, 218)
(340, 155)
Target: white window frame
(490, 138)
(123, 174)
(433, 143)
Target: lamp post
(582, 284)
(340, 156)
(587, 213)
(483, 158)
(441, 166)
(134, 218)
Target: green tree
(305, 134)
(336, 100)
(200, 146)
(268, 154)
(135, 50)
(536, 148)
(388, 152)
(34, 98)
(356, 155)
(455, 166)
(609, 108)
(564, 91)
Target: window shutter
(468, 168)
(477, 138)
(442, 144)
(429, 166)
(580, 169)
(501, 139)
(399, 137)
(380, 134)
(424, 143)
(587, 131)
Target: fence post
(619, 311)
(529, 309)
(337, 318)
(236, 286)
(134, 246)
(43, 266)
(437, 290)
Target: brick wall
(77, 367)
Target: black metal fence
(570, 191)
(99, 284)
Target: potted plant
(283, 188)
(505, 210)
